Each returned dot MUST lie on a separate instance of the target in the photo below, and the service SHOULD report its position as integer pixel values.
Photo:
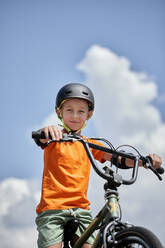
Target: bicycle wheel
(136, 237)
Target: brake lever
(148, 165)
(65, 137)
(155, 172)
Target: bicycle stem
(112, 204)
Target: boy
(67, 168)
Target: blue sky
(43, 42)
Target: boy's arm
(128, 163)
(52, 131)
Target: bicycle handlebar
(111, 175)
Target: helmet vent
(68, 92)
(85, 93)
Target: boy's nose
(75, 114)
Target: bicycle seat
(69, 229)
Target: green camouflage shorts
(50, 225)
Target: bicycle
(112, 231)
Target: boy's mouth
(74, 122)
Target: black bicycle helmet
(75, 90)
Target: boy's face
(74, 113)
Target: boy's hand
(156, 160)
(54, 131)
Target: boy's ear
(90, 113)
(59, 114)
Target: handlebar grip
(39, 135)
(160, 170)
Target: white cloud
(18, 199)
(125, 114)
(124, 110)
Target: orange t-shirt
(66, 175)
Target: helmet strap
(70, 131)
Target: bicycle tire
(136, 237)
